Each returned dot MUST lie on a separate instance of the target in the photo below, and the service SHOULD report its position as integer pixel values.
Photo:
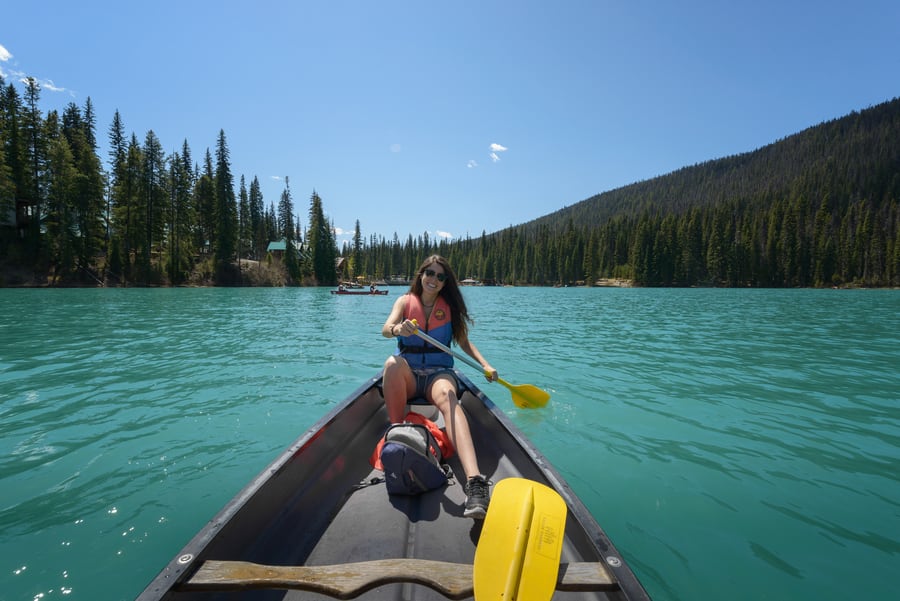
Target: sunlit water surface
(734, 444)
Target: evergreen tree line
(818, 208)
(793, 244)
(151, 219)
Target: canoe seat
(425, 409)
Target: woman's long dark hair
(459, 314)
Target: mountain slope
(850, 158)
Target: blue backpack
(412, 459)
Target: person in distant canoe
(419, 369)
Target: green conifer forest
(817, 208)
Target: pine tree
(321, 244)
(205, 202)
(35, 161)
(127, 217)
(288, 230)
(182, 216)
(10, 158)
(225, 214)
(59, 217)
(245, 229)
(356, 257)
(7, 200)
(87, 200)
(259, 235)
(154, 203)
(12, 137)
(286, 212)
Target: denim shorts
(424, 378)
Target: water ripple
(726, 439)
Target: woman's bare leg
(398, 385)
(443, 396)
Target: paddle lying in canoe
(517, 557)
(525, 396)
(518, 552)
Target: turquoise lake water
(734, 444)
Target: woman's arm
(390, 328)
(470, 349)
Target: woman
(419, 369)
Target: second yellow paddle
(518, 552)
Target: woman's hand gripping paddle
(524, 396)
(517, 558)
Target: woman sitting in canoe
(417, 369)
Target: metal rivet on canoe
(614, 561)
(186, 558)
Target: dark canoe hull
(308, 508)
(360, 292)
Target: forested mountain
(818, 208)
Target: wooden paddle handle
(349, 580)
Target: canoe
(318, 518)
(364, 292)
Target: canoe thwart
(342, 581)
(349, 580)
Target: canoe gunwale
(611, 557)
(317, 455)
(191, 556)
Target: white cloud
(49, 85)
(276, 178)
(22, 77)
(445, 235)
(5, 55)
(495, 149)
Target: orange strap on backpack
(412, 417)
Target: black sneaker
(478, 496)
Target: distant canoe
(361, 292)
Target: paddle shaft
(524, 395)
(448, 350)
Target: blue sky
(454, 118)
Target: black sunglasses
(432, 273)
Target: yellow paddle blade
(517, 558)
(526, 396)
